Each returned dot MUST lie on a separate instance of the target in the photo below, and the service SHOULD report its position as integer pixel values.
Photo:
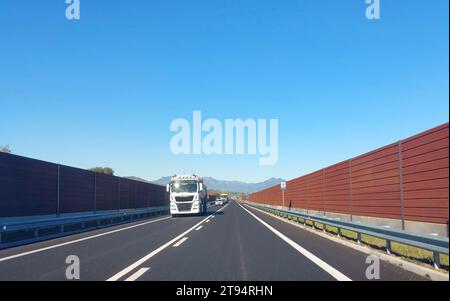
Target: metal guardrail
(436, 245)
(15, 233)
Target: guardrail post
(436, 260)
(358, 237)
(388, 246)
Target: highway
(230, 243)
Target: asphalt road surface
(230, 243)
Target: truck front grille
(184, 207)
(184, 198)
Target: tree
(5, 149)
(103, 170)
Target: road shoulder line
(319, 262)
(406, 265)
(80, 240)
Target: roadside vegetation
(5, 149)
(103, 170)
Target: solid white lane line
(138, 274)
(322, 264)
(180, 242)
(199, 228)
(80, 240)
(158, 250)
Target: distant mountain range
(227, 186)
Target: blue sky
(102, 91)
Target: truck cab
(188, 195)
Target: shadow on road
(212, 212)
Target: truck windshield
(184, 186)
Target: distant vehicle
(188, 195)
(225, 197)
(212, 199)
(222, 199)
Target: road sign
(283, 188)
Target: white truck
(222, 199)
(188, 195)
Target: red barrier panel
(425, 176)
(407, 180)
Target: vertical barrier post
(57, 191)
(119, 193)
(148, 195)
(400, 171)
(135, 196)
(95, 192)
(306, 195)
(323, 191)
(350, 190)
